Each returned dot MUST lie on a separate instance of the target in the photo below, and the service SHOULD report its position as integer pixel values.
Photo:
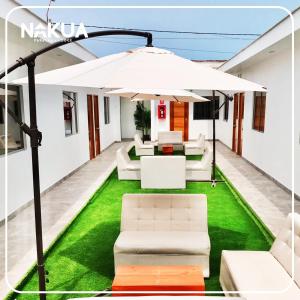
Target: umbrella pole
(214, 141)
(35, 141)
(36, 135)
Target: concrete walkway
(270, 202)
(59, 206)
(65, 200)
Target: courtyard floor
(270, 202)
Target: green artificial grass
(82, 257)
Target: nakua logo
(50, 32)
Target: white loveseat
(265, 270)
(141, 148)
(170, 137)
(127, 169)
(163, 172)
(200, 170)
(163, 229)
(195, 147)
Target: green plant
(142, 118)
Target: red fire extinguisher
(161, 110)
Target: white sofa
(195, 147)
(163, 172)
(170, 137)
(163, 229)
(200, 170)
(127, 169)
(141, 148)
(265, 270)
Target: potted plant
(142, 119)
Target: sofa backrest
(207, 158)
(201, 140)
(170, 137)
(122, 158)
(282, 246)
(164, 212)
(137, 141)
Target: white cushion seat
(195, 147)
(141, 148)
(191, 145)
(265, 271)
(163, 229)
(195, 165)
(127, 169)
(133, 165)
(163, 242)
(197, 170)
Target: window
(15, 138)
(70, 113)
(259, 109)
(106, 110)
(226, 110)
(204, 110)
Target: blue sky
(188, 45)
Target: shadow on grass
(95, 249)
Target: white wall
(109, 133)
(270, 151)
(59, 155)
(159, 124)
(128, 129)
(195, 126)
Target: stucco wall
(270, 151)
(59, 155)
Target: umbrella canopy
(143, 68)
(158, 94)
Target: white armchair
(195, 147)
(200, 170)
(163, 229)
(141, 148)
(127, 169)
(265, 270)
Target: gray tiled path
(61, 204)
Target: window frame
(259, 111)
(106, 110)
(208, 103)
(20, 114)
(74, 98)
(226, 110)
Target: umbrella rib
(176, 98)
(132, 98)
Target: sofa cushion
(133, 165)
(163, 242)
(164, 212)
(194, 165)
(257, 271)
(282, 246)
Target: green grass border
(241, 200)
(23, 281)
(249, 210)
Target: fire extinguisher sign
(161, 110)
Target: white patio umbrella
(144, 68)
(158, 94)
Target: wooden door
(93, 125)
(97, 125)
(179, 118)
(237, 128)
